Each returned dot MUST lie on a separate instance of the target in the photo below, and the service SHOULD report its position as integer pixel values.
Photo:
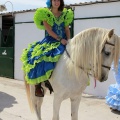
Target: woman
(113, 96)
(40, 58)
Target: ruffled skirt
(39, 59)
(113, 97)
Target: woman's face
(55, 3)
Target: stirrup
(48, 85)
(39, 91)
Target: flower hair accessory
(48, 3)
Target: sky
(32, 4)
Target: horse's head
(109, 52)
(94, 50)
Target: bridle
(90, 69)
(102, 50)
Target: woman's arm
(51, 33)
(67, 31)
(49, 30)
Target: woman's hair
(61, 5)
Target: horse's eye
(107, 53)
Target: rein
(72, 60)
(81, 67)
(109, 43)
(106, 67)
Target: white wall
(25, 34)
(24, 17)
(98, 10)
(109, 23)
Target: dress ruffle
(69, 17)
(44, 14)
(113, 97)
(40, 58)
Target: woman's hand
(64, 42)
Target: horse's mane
(85, 49)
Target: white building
(105, 14)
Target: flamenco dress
(40, 58)
(113, 95)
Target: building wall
(96, 10)
(101, 10)
(25, 33)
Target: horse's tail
(27, 86)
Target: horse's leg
(37, 107)
(75, 101)
(56, 107)
(36, 102)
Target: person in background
(40, 58)
(113, 95)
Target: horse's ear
(111, 32)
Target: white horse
(90, 52)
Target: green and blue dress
(39, 59)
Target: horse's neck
(70, 62)
(72, 73)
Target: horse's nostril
(102, 78)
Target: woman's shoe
(39, 91)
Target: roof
(14, 12)
(76, 4)
(94, 2)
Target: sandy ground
(14, 105)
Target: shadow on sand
(115, 112)
(6, 101)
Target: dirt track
(14, 106)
